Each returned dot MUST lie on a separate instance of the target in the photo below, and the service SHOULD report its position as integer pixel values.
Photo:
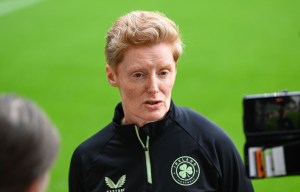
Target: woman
(151, 144)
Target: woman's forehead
(161, 53)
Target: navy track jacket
(184, 152)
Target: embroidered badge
(115, 187)
(185, 170)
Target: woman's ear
(111, 76)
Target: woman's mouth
(152, 102)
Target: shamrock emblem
(185, 171)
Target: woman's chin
(155, 117)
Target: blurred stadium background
(51, 51)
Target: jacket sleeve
(75, 174)
(233, 176)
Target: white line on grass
(8, 6)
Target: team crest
(115, 187)
(185, 170)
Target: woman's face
(145, 79)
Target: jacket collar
(151, 129)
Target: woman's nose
(152, 86)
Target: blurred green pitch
(52, 52)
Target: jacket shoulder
(92, 147)
(211, 138)
(197, 124)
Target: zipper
(147, 155)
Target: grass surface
(52, 52)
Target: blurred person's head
(142, 50)
(28, 145)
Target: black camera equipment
(272, 127)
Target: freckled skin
(145, 79)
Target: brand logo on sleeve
(185, 170)
(115, 187)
